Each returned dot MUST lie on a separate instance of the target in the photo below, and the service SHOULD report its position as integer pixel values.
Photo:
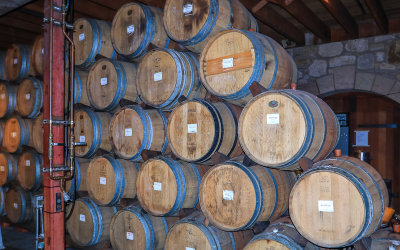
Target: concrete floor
(12, 239)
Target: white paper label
(82, 217)
(2, 168)
(192, 128)
(43, 51)
(3, 96)
(81, 36)
(103, 180)
(325, 206)
(187, 8)
(15, 60)
(391, 248)
(157, 76)
(28, 96)
(82, 138)
(128, 132)
(28, 163)
(15, 205)
(395, 242)
(157, 186)
(190, 248)
(272, 119)
(129, 235)
(14, 134)
(227, 63)
(227, 195)
(103, 81)
(130, 29)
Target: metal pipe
(50, 152)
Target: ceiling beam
(94, 10)
(20, 24)
(342, 16)
(8, 31)
(377, 12)
(7, 5)
(268, 31)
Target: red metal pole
(53, 212)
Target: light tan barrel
(111, 81)
(290, 124)
(8, 168)
(198, 129)
(30, 97)
(134, 129)
(109, 179)
(234, 59)
(89, 224)
(80, 90)
(338, 201)
(30, 170)
(166, 75)
(18, 205)
(91, 128)
(8, 99)
(37, 55)
(92, 37)
(18, 62)
(17, 132)
(192, 24)
(165, 186)
(234, 197)
(193, 232)
(79, 180)
(37, 134)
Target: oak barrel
(109, 179)
(109, 82)
(17, 132)
(2, 125)
(135, 26)
(193, 23)
(89, 224)
(134, 129)
(2, 65)
(80, 89)
(18, 205)
(8, 168)
(37, 55)
(234, 197)
(92, 37)
(193, 232)
(132, 229)
(8, 99)
(338, 201)
(198, 129)
(165, 186)
(3, 191)
(79, 181)
(30, 170)
(165, 75)
(30, 97)
(234, 59)
(18, 62)
(37, 134)
(91, 128)
(290, 124)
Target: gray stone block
(387, 66)
(325, 84)
(382, 85)
(341, 61)
(380, 56)
(344, 77)
(330, 49)
(378, 39)
(317, 68)
(310, 87)
(364, 81)
(376, 47)
(396, 88)
(304, 52)
(366, 61)
(358, 45)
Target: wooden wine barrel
(108, 179)
(2, 125)
(237, 58)
(37, 134)
(18, 64)
(30, 170)
(89, 224)
(134, 129)
(17, 132)
(165, 186)
(8, 168)
(109, 82)
(135, 26)
(30, 97)
(91, 128)
(8, 99)
(132, 229)
(235, 197)
(198, 129)
(166, 75)
(193, 232)
(79, 180)
(3, 191)
(92, 37)
(337, 202)
(290, 124)
(193, 24)
(2, 65)
(37, 55)
(19, 205)
(80, 90)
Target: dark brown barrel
(17, 132)
(18, 63)
(37, 134)
(30, 170)
(8, 99)
(30, 97)
(246, 57)
(338, 201)
(8, 168)
(289, 124)
(19, 205)
(37, 55)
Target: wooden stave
(25, 69)
(2, 65)
(25, 126)
(80, 90)
(2, 125)
(37, 133)
(38, 104)
(12, 168)
(25, 203)
(11, 97)
(78, 181)
(37, 55)
(38, 178)
(3, 191)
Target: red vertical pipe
(54, 230)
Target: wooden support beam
(377, 12)
(94, 10)
(8, 31)
(342, 16)
(268, 31)
(20, 24)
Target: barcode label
(82, 138)
(157, 186)
(14, 134)
(157, 76)
(325, 206)
(103, 180)
(15, 205)
(81, 36)
(272, 119)
(3, 96)
(227, 63)
(103, 81)
(128, 132)
(28, 163)
(129, 235)
(28, 96)
(227, 195)
(82, 217)
(130, 29)
(15, 60)
(190, 248)
(192, 128)
(2, 168)
(187, 9)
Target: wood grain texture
(30, 97)
(8, 99)
(80, 87)
(8, 168)
(14, 62)
(74, 184)
(29, 174)
(37, 135)
(15, 198)
(38, 55)
(16, 134)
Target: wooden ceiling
(328, 20)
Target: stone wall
(367, 64)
